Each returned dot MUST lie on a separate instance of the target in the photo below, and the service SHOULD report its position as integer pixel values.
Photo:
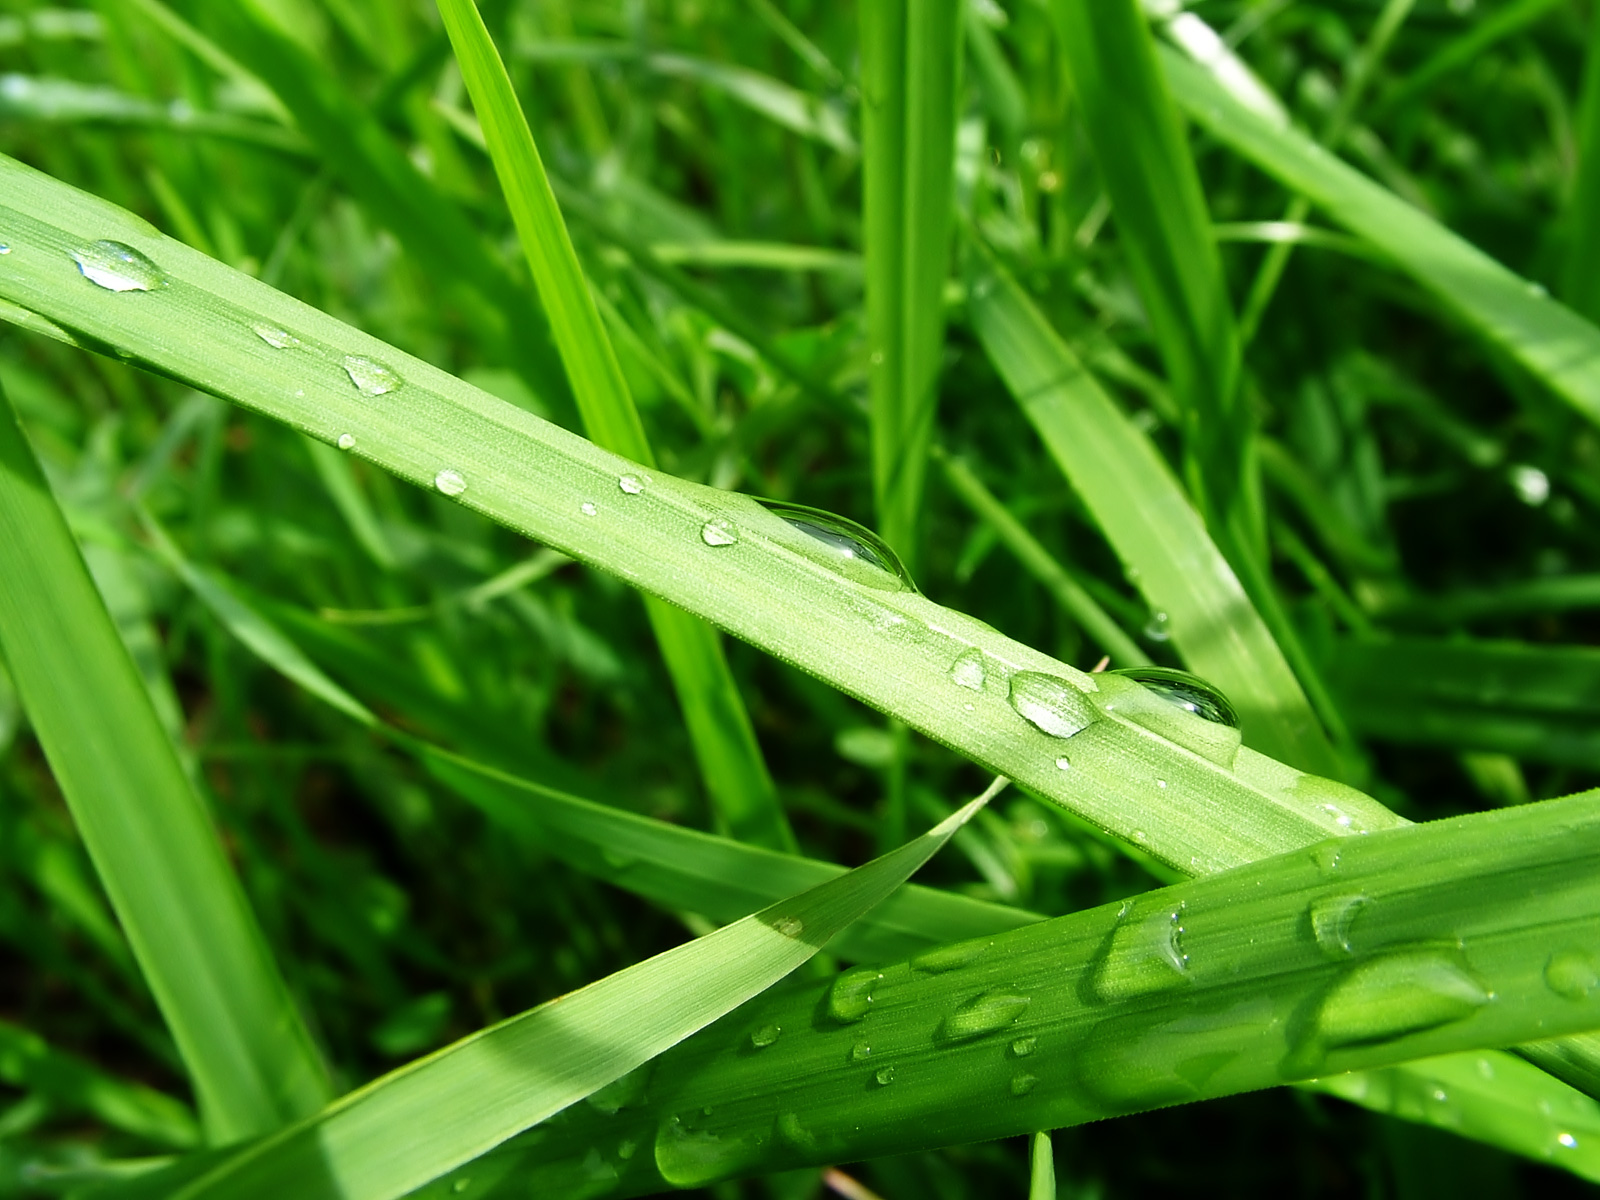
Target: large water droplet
(850, 997)
(1184, 691)
(950, 958)
(1338, 807)
(371, 377)
(988, 1013)
(719, 532)
(630, 484)
(1159, 627)
(1177, 706)
(765, 1036)
(1145, 954)
(1331, 920)
(118, 267)
(1572, 973)
(848, 548)
(278, 339)
(693, 1158)
(451, 483)
(967, 671)
(1050, 705)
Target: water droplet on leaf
(719, 532)
(1331, 919)
(1024, 1083)
(884, 1076)
(118, 267)
(860, 1052)
(371, 377)
(790, 927)
(1157, 628)
(765, 1036)
(1023, 1047)
(1184, 691)
(988, 1013)
(967, 671)
(630, 484)
(278, 339)
(451, 483)
(1145, 954)
(347, 441)
(1063, 763)
(1050, 705)
(1572, 973)
(950, 958)
(850, 997)
(852, 550)
(587, 508)
(1177, 706)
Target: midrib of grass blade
(742, 791)
(1349, 955)
(910, 59)
(474, 1095)
(248, 1055)
(1553, 343)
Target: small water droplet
(988, 1013)
(118, 267)
(790, 927)
(587, 508)
(1024, 1083)
(884, 1076)
(1567, 1140)
(1063, 763)
(1327, 856)
(1538, 290)
(1049, 704)
(1485, 1068)
(950, 958)
(719, 532)
(278, 339)
(860, 1052)
(460, 1186)
(1158, 627)
(850, 997)
(1139, 836)
(371, 377)
(1161, 783)
(630, 484)
(1145, 954)
(839, 543)
(1331, 919)
(347, 441)
(5, 249)
(451, 483)
(1024, 1046)
(967, 671)
(1572, 973)
(626, 1149)
(765, 1036)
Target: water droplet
(5, 249)
(967, 671)
(950, 958)
(1177, 706)
(884, 1076)
(765, 1036)
(690, 1158)
(1485, 1068)
(1145, 954)
(850, 997)
(860, 1052)
(988, 1013)
(1572, 973)
(792, 1132)
(630, 484)
(1339, 808)
(625, 1091)
(1023, 1047)
(1158, 627)
(1567, 1140)
(450, 482)
(719, 532)
(347, 441)
(1184, 691)
(852, 550)
(1327, 856)
(278, 339)
(1538, 290)
(1331, 918)
(1063, 763)
(117, 267)
(1024, 1083)
(626, 1149)
(1050, 705)
(371, 377)
(1161, 783)
(790, 926)
(587, 508)
(460, 1186)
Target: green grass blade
(910, 63)
(745, 798)
(1149, 522)
(474, 1095)
(1582, 267)
(249, 1057)
(1553, 343)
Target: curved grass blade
(477, 1093)
(745, 798)
(250, 1059)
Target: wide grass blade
(479, 1092)
(745, 798)
(249, 1057)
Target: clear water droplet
(1024, 1046)
(1572, 973)
(989, 1013)
(850, 997)
(1158, 627)
(690, 1158)
(460, 1186)
(884, 1076)
(950, 958)
(1186, 692)
(1063, 763)
(719, 532)
(1023, 1083)
(1161, 783)
(451, 483)
(371, 377)
(630, 484)
(790, 927)
(1338, 807)
(852, 550)
(1050, 705)
(118, 267)
(860, 1052)
(587, 508)
(4, 249)
(1567, 1140)
(765, 1036)
(967, 671)
(278, 339)
(347, 441)
(1331, 920)
(1177, 706)
(1145, 954)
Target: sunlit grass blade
(479, 1092)
(1350, 955)
(249, 1057)
(744, 796)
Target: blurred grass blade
(1553, 343)
(1041, 1168)
(1149, 523)
(910, 63)
(1462, 51)
(795, 110)
(249, 1058)
(475, 1094)
(1582, 267)
(744, 796)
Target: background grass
(1419, 483)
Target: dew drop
(790, 927)
(1572, 974)
(967, 671)
(1567, 1140)
(1063, 763)
(1024, 1083)
(622, 1092)
(884, 1076)
(1389, 997)
(1331, 919)
(1157, 628)
(371, 377)
(1161, 783)
(118, 267)
(347, 441)
(985, 1014)
(1024, 1046)
(587, 508)
(850, 997)
(1050, 705)
(1186, 692)
(852, 550)
(860, 1052)
(765, 1036)
(1145, 954)
(630, 484)
(792, 1132)
(278, 339)
(719, 532)
(4, 249)
(690, 1158)
(451, 483)
(1177, 706)
(460, 1186)
(950, 958)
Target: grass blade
(1582, 278)
(249, 1057)
(744, 796)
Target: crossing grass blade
(742, 791)
(250, 1059)
(479, 1092)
